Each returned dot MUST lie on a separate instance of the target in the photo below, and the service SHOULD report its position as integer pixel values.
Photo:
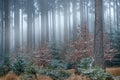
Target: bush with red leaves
(82, 46)
(41, 57)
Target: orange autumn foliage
(82, 46)
(41, 57)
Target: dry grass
(76, 77)
(41, 77)
(12, 76)
(113, 71)
(2, 78)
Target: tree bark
(65, 22)
(44, 21)
(74, 20)
(6, 44)
(98, 35)
(33, 34)
(82, 13)
(1, 32)
(17, 25)
(29, 24)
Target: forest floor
(114, 71)
(117, 78)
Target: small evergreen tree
(19, 65)
(115, 44)
(58, 53)
(115, 39)
(5, 66)
(85, 67)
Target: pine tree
(115, 44)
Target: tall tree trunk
(44, 21)
(74, 20)
(1, 31)
(39, 27)
(69, 17)
(53, 26)
(7, 28)
(22, 31)
(65, 22)
(42, 27)
(29, 24)
(110, 16)
(117, 13)
(82, 13)
(33, 30)
(17, 25)
(98, 35)
(59, 26)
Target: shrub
(19, 65)
(82, 46)
(5, 66)
(58, 56)
(27, 77)
(55, 74)
(98, 73)
(41, 57)
(85, 67)
(57, 64)
(85, 63)
(1, 70)
(59, 50)
(31, 69)
(113, 56)
(115, 39)
(59, 75)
